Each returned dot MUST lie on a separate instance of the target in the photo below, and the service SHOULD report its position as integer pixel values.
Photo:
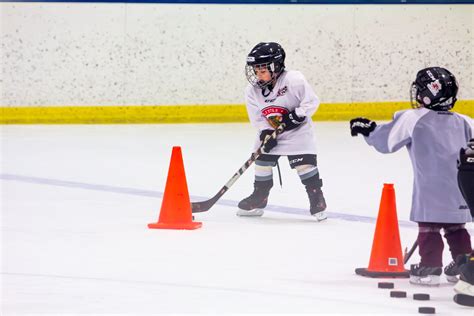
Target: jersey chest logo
(274, 114)
(274, 110)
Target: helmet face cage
(270, 56)
(250, 72)
(435, 88)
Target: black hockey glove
(271, 142)
(466, 174)
(466, 157)
(470, 144)
(361, 125)
(291, 120)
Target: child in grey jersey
(433, 136)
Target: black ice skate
(317, 203)
(254, 204)
(452, 271)
(425, 275)
(465, 284)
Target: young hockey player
(465, 285)
(433, 136)
(278, 96)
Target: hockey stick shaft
(204, 206)
(410, 253)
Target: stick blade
(203, 206)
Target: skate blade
(431, 280)
(452, 278)
(321, 216)
(252, 213)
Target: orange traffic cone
(386, 259)
(176, 210)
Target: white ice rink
(76, 201)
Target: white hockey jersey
(291, 92)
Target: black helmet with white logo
(266, 54)
(435, 88)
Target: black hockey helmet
(266, 54)
(435, 88)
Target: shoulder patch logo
(282, 91)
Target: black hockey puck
(421, 297)
(426, 310)
(398, 294)
(386, 285)
(463, 299)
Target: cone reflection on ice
(386, 258)
(176, 210)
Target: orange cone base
(189, 226)
(382, 274)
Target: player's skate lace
(452, 271)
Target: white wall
(152, 54)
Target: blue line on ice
(156, 194)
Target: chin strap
(268, 88)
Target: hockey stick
(408, 254)
(204, 206)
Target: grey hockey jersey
(291, 92)
(433, 140)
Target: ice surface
(76, 199)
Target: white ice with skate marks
(82, 245)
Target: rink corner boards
(172, 114)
